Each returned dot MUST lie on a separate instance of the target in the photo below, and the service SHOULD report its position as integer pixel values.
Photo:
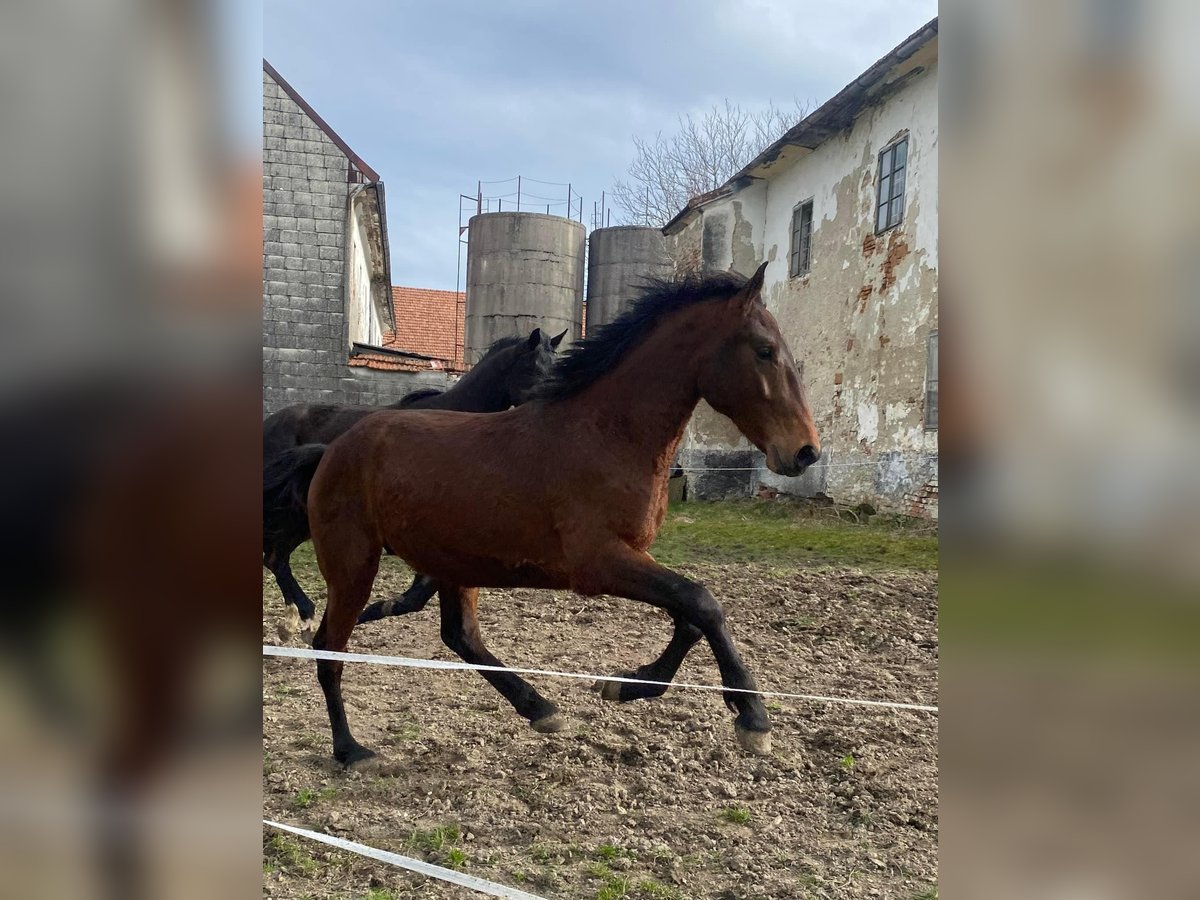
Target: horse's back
(448, 492)
(309, 423)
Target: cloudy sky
(436, 96)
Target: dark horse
(292, 438)
(567, 491)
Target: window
(889, 201)
(931, 384)
(801, 257)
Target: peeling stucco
(860, 319)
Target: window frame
(796, 246)
(932, 405)
(890, 178)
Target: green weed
(616, 888)
(286, 853)
(434, 840)
(738, 815)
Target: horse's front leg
(624, 572)
(683, 638)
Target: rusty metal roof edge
(357, 348)
(387, 252)
(824, 116)
(321, 123)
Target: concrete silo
(619, 258)
(524, 270)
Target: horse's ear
(752, 292)
(535, 339)
(557, 339)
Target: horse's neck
(648, 397)
(480, 390)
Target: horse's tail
(286, 478)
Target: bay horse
(565, 492)
(506, 376)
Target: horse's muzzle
(790, 468)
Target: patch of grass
(786, 533)
(307, 797)
(609, 852)
(285, 853)
(598, 870)
(436, 839)
(927, 894)
(454, 859)
(380, 894)
(404, 731)
(615, 888)
(656, 890)
(848, 762)
(308, 741)
(738, 815)
(860, 817)
(540, 853)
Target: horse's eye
(765, 353)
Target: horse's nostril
(806, 456)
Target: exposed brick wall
(923, 502)
(305, 339)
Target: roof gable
(832, 117)
(371, 174)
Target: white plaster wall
(363, 318)
(861, 318)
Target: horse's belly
(477, 570)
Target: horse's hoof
(549, 724)
(608, 690)
(289, 624)
(308, 630)
(756, 742)
(356, 758)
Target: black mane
(588, 360)
(502, 343)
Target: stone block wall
(306, 191)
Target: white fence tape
(415, 663)
(491, 888)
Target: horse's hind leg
(683, 639)
(460, 632)
(301, 611)
(412, 600)
(350, 571)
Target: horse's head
(533, 358)
(752, 378)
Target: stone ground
(650, 799)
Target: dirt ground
(649, 799)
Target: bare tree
(666, 172)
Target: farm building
(329, 323)
(844, 208)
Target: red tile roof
(429, 322)
(389, 363)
